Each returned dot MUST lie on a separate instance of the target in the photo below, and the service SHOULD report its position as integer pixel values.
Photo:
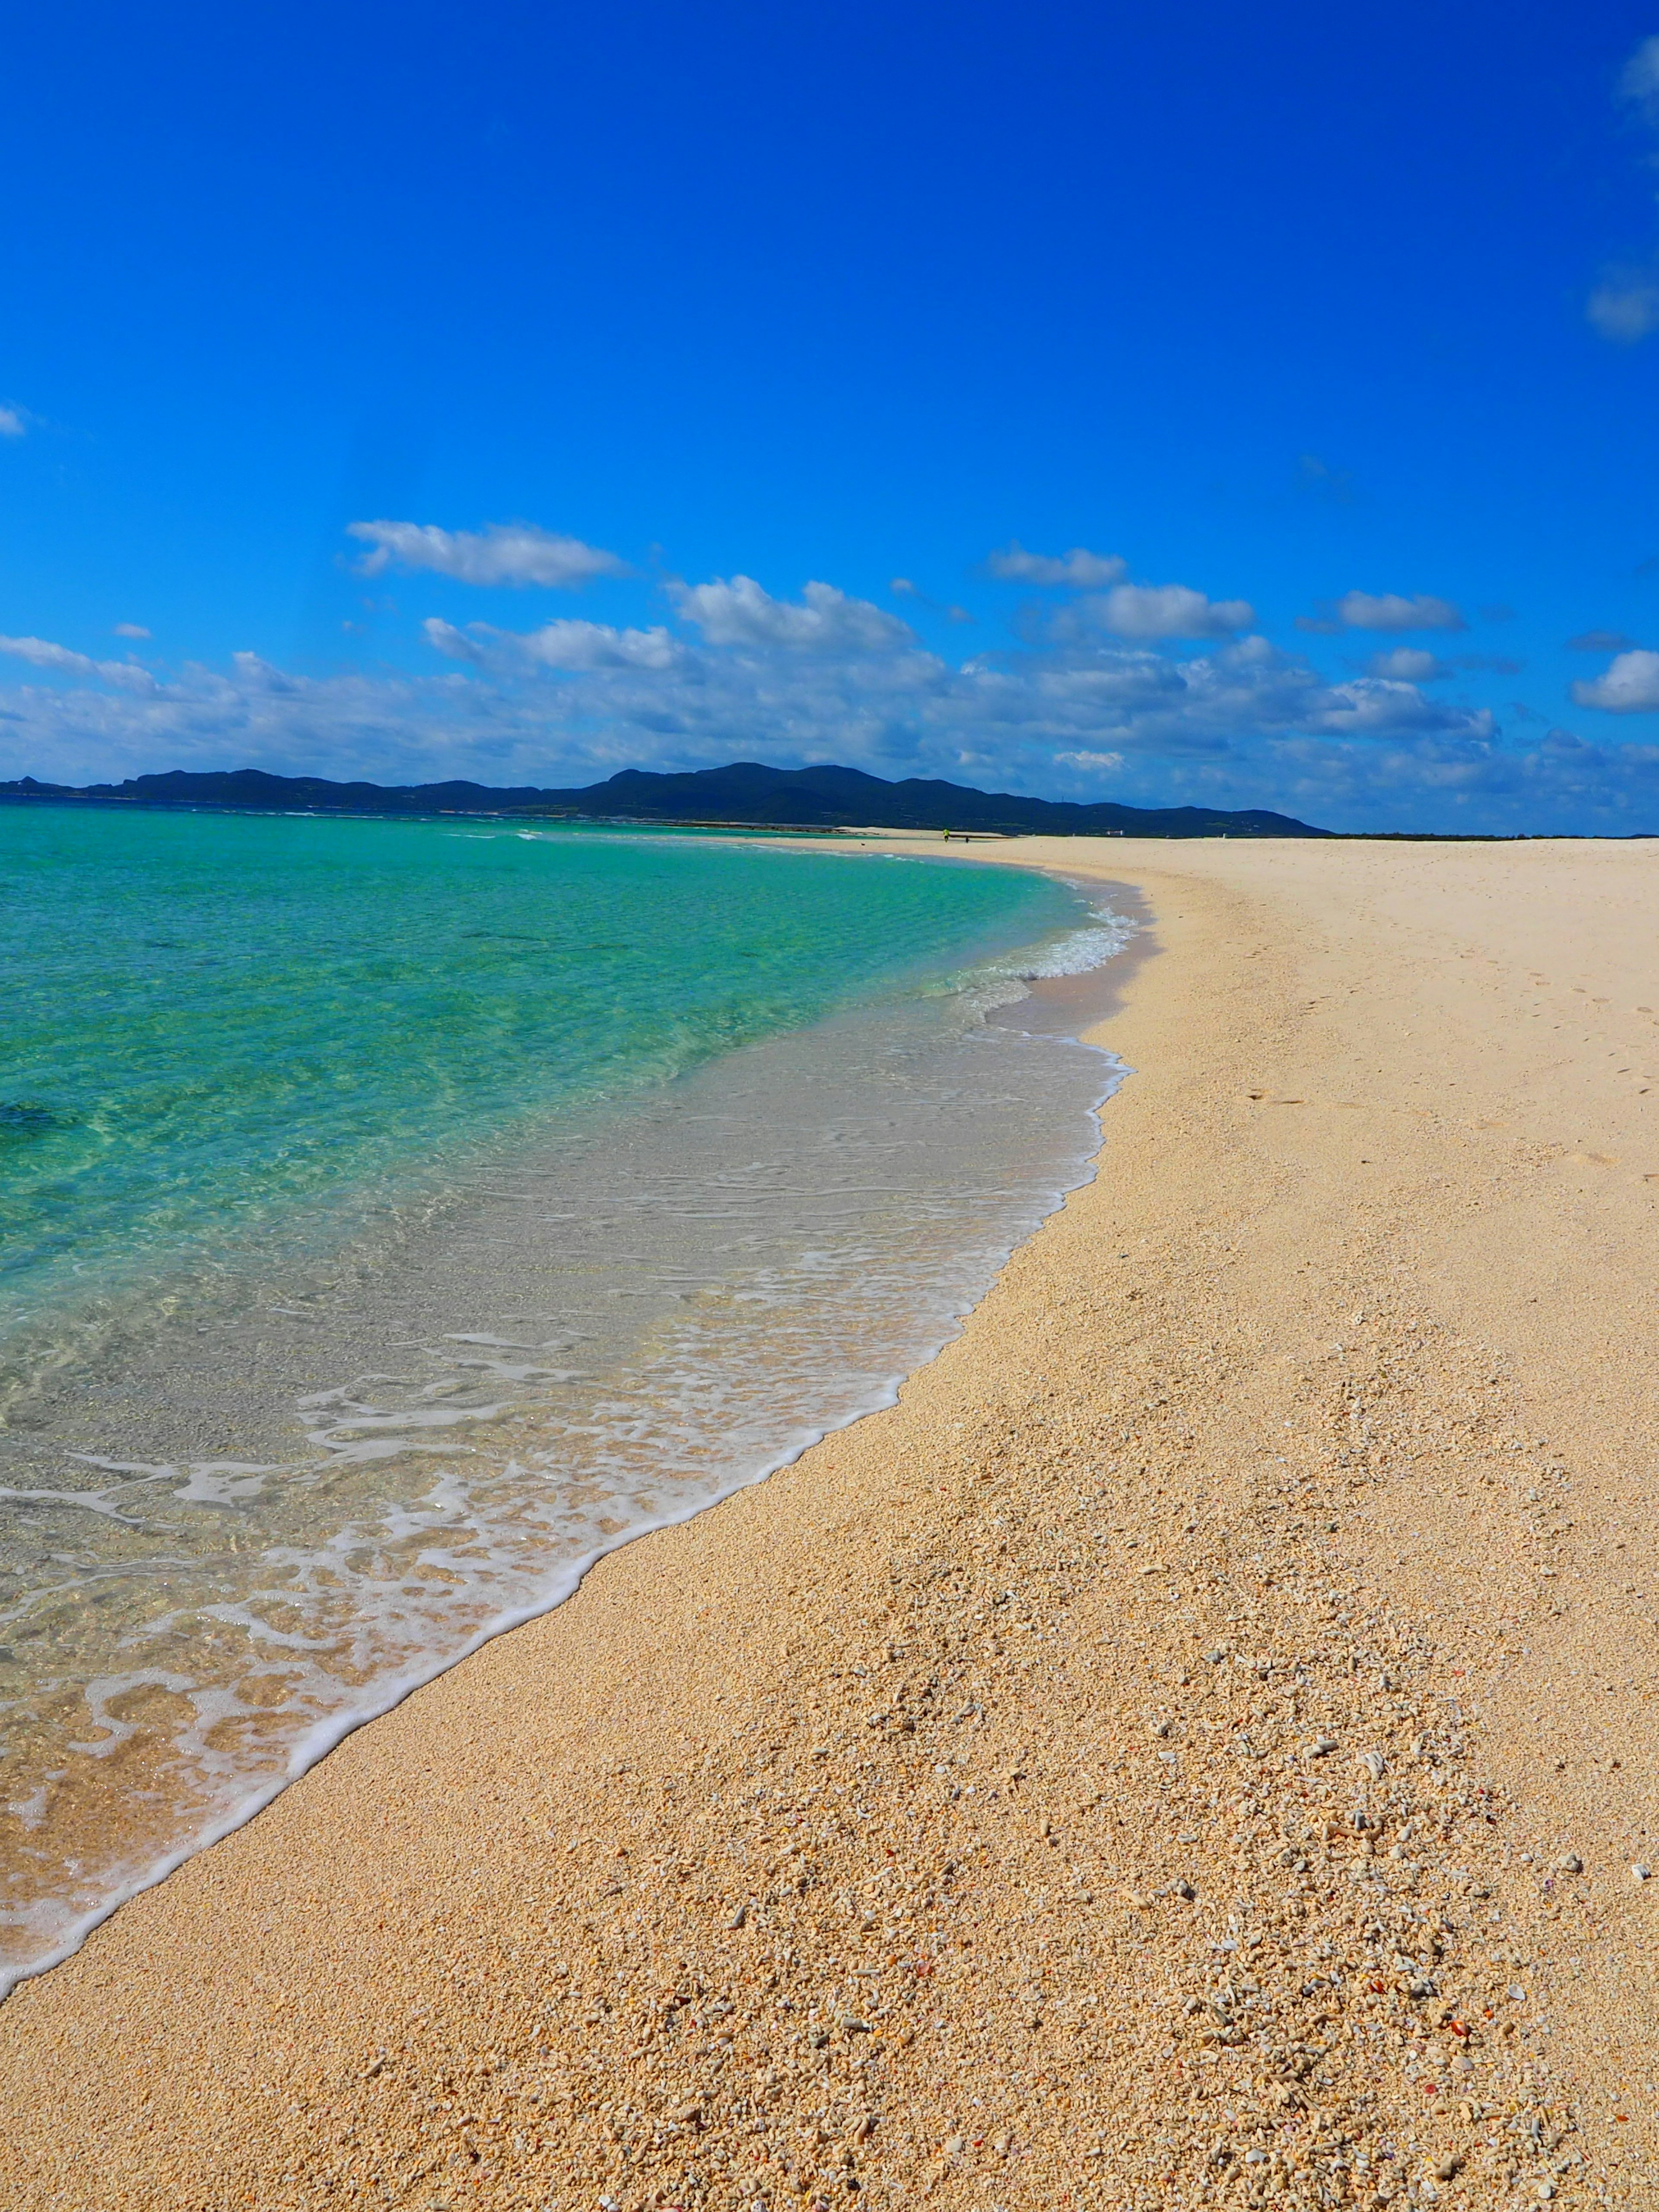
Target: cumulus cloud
(1083, 570)
(572, 702)
(1156, 611)
(1384, 610)
(1088, 713)
(129, 630)
(40, 652)
(1409, 664)
(515, 553)
(13, 423)
(736, 611)
(1382, 707)
(1630, 686)
(1092, 763)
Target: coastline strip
(1194, 1743)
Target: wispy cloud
(1415, 663)
(1638, 81)
(13, 423)
(129, 630)
(1625, 306)
(63, 660)
(1316, 475)
(1600, 640)
(1079, 569)
(903, 588)
(1630, 686)
(1383, 611)
(502, 553)
(564, 645)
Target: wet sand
(1193, 1749)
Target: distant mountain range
(744, 795)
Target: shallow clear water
(398, 1215)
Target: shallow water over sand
(258, 1497)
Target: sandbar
(1194, 1748)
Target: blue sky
(1220, 404)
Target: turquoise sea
(396, 1215)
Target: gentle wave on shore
(252, 1501)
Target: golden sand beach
(1194, 1749)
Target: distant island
(745, 795)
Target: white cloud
(1153, 610)
(1228, 723)
(266, 677)
(1625, 306)
(1385, 611)
(596, 645)
(129, 630)
(1630, 686)
(40, 652)
(1638, 81)
(822, 620)
(1083, 570)
(1408, 664)
(14, 423)
(576, 699)
(1377, 707)
(456, 644)
(502, 553)
(564, 644)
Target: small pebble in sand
(1569, 1863)
(1639, 1872)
